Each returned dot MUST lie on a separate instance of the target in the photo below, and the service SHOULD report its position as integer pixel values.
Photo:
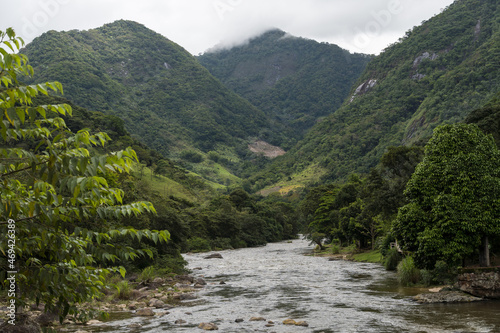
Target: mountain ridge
(165, 97)
(294, 80)
(437, 73)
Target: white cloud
(359, 25)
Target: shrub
(221, 243)
(335, 249)
(123, 290)
(408, 273)
(192, 156)
(426, 277)
(350, 249)
(442, 273)
(147, 274)
(198, 244)
(392, 259)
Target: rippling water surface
(279, 281)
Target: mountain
(295, 81)
(437, 73)
(164, 96)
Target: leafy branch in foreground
(51, 184)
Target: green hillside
(294, 80)
(437, 73)
(488, 118)
(164, 96)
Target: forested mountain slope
(437, 73)
(165, 97)
(293, 80)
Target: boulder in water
(208, 326)
(214, 256)
(145, 312)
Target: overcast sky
(366, 26)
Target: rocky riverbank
(154, 299)
(446, 295)
(148, 299)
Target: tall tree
(50, 181)
(454, 197)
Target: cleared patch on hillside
(265, 148)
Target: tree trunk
(484, 253)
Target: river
(279, 281)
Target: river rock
(258, 319)
(187, 296)
(157, 304)
(145, 312)
(46, 319)
(214, 256)
(188, 279)
(296, 323)
(446, 297)
(208, 326)
(39, 307)
(133, 326)
(180, 321)
(182, 286)
(239, 320)
(121, 307)
(481, 283)
(162, 313)
(159, 280)
(200, 281)
(94, 322)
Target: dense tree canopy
(454, 197)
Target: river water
(279, 281)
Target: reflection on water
(278, 282)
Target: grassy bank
(370, 256)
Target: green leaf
(123, 271)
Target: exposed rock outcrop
(450, 296)
(267, 149)
(364, 88)
(481, 283)
(425, 55)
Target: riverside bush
(147, 274)
(123, 290)
(426, 277)
(198, 244)
(442, 273)
(392, 259)
(408, 273)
